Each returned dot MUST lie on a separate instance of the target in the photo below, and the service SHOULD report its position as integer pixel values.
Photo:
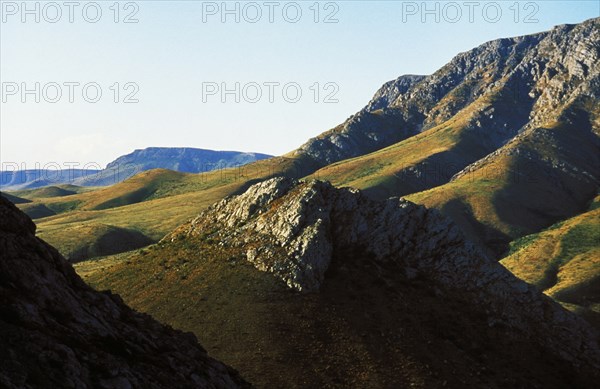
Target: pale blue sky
(171, 52)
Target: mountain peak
(534, 76)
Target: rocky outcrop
(55, 331)
(298, 230)
(391, 91)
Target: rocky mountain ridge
(511, 84)
(297, 231)
(508, 142)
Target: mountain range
(446, 235)
(181, 159)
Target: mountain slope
(362, 293)
(184, 159)
(544, 175)
(564, 262)
(521, 152)
(180, 159)
(423, 102)
(58, 332)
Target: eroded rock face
(55, 331)
(296, 230)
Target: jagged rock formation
(296, 230)
(391, 91)
(55, 331)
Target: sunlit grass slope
(563, 261)
(539, 178)
(430, 158)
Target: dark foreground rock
(57, 332)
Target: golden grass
(377, 168)
(562, 258)
(518, 193)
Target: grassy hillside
(78, 242)
(387, 172)
(432, 157)
(49, 201)
(52, 191)
(134, 190)
(359, 331)
(539, 178)
(513, 185)
(161, 183)
(564, 262)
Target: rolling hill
(151, 203)
(51, 191)
(14, 199)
